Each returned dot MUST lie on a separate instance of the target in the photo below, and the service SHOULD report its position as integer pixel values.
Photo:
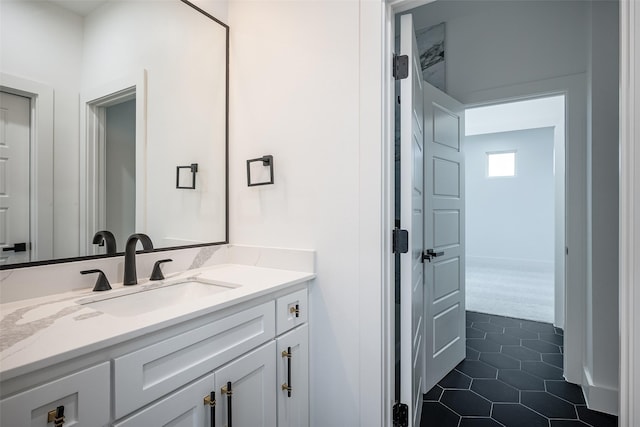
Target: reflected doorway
(112, 168)
(120, 171)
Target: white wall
(511, 218)
(295, 94)
(42, 42)
(601, 364)
(492, 44)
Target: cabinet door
(293, 378)
(84, 396)
(184, 408)
(252, 402)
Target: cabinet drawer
(149, 373)
(291, 310)
(185, 408)
(84, 395)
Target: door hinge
(400, 67)
(400, 415)
(400, 240)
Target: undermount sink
(147, 300)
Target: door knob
(429, 254)
(17, 247)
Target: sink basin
(148, 300)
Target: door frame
(629, 233)
(40, 159)
(92, 153)
(559, 168)
(629, 249)
(575, 201)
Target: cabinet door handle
(56, 416)
(227, 390)
(211, 401)
(295, 309)
(287, 386)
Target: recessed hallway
(512, 377)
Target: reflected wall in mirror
(101, 102)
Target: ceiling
(81, 7)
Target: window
(501, 164)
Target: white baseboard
(599, 398)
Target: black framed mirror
(105, 99)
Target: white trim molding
(374, 206)
(572, 234)
(598, 397)
(629, 414)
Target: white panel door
(14, 176)
(445, 330)
(252, 401)
(411, 217)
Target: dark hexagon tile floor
(512, 376)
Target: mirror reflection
(106, 106)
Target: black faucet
(106, 237)
(130, 276)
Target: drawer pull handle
(287, 386)
(295, 309)
(211, 402)
(227, 390)
(56, 416)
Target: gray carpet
(513, 289)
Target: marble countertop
(38, 332)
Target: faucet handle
(102, 284)
(156, 274)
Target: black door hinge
(400, 240)
(400, 415)
(400, 67)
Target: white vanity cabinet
(248, 354)
(84, 396)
